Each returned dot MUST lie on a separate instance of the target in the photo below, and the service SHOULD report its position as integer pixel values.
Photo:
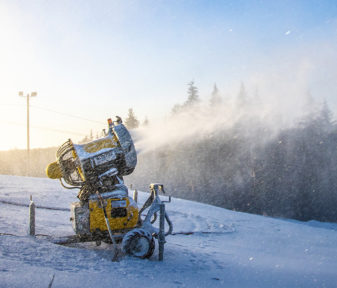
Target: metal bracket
(154, 202)
(167, 201)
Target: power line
(68, 115)
(47, 128)
(53, 111)
(17, 105)
(58, 130)
(57, 112)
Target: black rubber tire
(138, 243)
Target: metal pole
(28, 144)
(135, 195)
(161, 236)
(32, 94)
(31, 217)
(113, 240)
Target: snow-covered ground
(228, 249)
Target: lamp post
(32, 94)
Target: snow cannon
(105, 211)
(82, 165)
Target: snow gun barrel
(78, 164)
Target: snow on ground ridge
(238, 250)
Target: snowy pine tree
(131, 122)
(193, 97)
(215, 97)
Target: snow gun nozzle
(110, 125)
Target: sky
(90, 60)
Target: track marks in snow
(45, 254)
(188, 222)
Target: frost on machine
(105, 212)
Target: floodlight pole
(28, 142)
(32, 94)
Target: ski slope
(227, 249)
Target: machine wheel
(138, 243)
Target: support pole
(28, 144)
(31, 217)
(161, 236)
(113, 240)
(32, 94)
(135, 195)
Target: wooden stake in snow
(31, 217)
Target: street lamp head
(33, 94)
(21, 93)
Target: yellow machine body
(122, 214)
(55, 170)
(100, 144)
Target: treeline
(15, 162)
(250, 166)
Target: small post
(161, 236)
(135, 195)
(31, 217)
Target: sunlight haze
(90, 60)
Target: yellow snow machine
(105, 211)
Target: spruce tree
(192, 92)
(131, 122)
(215, 97)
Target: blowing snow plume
(195, 122)
(241, 155)
(279, 97)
